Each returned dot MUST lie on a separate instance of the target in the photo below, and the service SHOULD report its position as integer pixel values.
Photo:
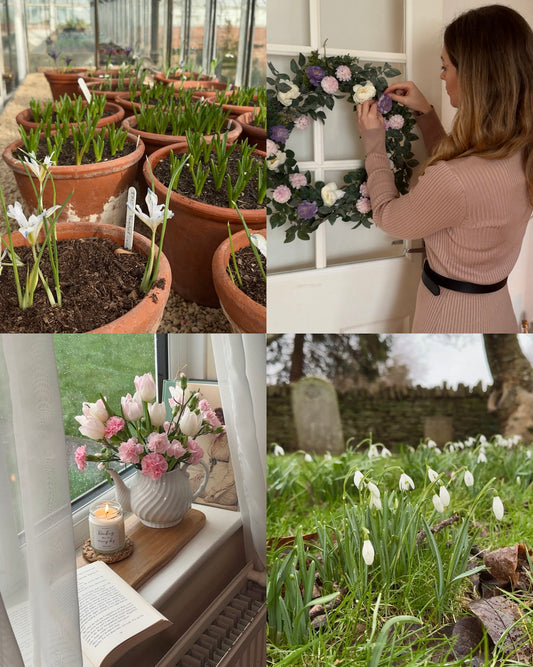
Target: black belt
(434, 281)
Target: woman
(474, 200)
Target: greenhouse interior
(95, 99)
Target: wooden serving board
(153, 547)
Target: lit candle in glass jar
(106, 526)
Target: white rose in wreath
(276, 160)
(287, 97)
(363, 93)
(330, 194)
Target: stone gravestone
(439, 429)
(316, 416)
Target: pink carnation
(297, 180)
(158, 442)
(129, 451)
(81, 457)
(208, 414)
(113, 426)
(363, 189)
(281, 194)
(301, 123)
(363, 205)
(154, 465)
(396, 122)
(271, 148)
(343, 73)
(196, 452)
(330, 85)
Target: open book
(113, 616)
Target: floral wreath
(316, 83)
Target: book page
(111, 612)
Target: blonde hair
(492, 49)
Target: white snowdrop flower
(432, 444)
(437, 450)
(483, 440)
(278, 450)
(308, 457)
(374, 491)
(469, 478)
(482, 458)
(528, 454)
(327, 456)
(368, 552)
(437, 503)
(433, 475)
(375, 501)
(406, 482)
(358, 478)
(451, 448)
(373, 451)
(518, 480)
(497, 507)
(385, 452)
(444, 496)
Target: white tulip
(368, 552)
(190, 422)
(497, 507)
(157, 412)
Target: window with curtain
(38, 593)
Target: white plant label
(86, 92)
(130, 218)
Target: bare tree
(512, 392)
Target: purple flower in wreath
(315, 74)
(384, 104)
(279, 134)
(307, 209)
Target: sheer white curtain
(37, 558)
(241, 373)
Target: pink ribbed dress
(472, 214)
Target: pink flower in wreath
(363, 189)
(297, 180)
(396, 122)
(301, 123)
(129, 451)
(113, 426)
(81, 457)
(196, 452)
(330, 85)
(154, 465)
(271, 148)
(363, 205)
(343, 73)
(158, 442)
(281, 194)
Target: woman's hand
(406, 93)
(368, 116)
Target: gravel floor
(180, 316)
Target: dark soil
(98, 285)
(68, 153)
(185, 187)
(253, 284)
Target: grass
(395, 609)
(92, 364)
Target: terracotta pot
(255, 135)
(146, 316)
(154, 141)
(111, 95)
(191, 82)
(64, 83)
(116, 114)
(99, 190)
(193, 235)
(244, 314)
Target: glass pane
(379, 28)
(228, 22)
(288, 22)
(88, 364)
(8, 46)
(288, 256)
(345, 244)
(196, 39)
(258, 73)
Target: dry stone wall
(394, 415)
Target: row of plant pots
(193, 235)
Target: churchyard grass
(390, 605)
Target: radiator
(230, 633)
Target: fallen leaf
(502, 563)
(468, 632)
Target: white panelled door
(345, 280)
